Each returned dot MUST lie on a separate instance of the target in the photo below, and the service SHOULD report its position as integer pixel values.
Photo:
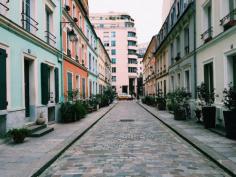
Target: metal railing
(4, 5)
(228, 17)
(207, 35)
(50, 37)
(229, 20)
(28, 21)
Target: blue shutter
(3, 80)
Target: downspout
(62, 59)
(195, 54)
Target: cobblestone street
(118, 146)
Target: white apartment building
(118, 34)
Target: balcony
(68, 53)
(207, 35)
(4, 5)
(229, 20)
(50, 38)
(28, 22)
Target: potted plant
(198, 110)
(229, 114)
(18, 134)
(161, 103)
(180, 100)
(208, 110)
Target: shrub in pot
(67, 112)
(161, 103)
(230, 114)
(18, 134)
(208, 110)
(80, 110)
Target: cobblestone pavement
(143, 147)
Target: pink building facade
(118, 34)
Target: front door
(27, 93)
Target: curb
(68, 145)
(214, 156)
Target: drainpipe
(61, 49)
(195, 54)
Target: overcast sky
(147, 14)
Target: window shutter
(56, 85)
(44, 83)
(3, 80)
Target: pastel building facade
(118, 35)
(30, 62)
(75, 50)
(92, 59)
(216, 47)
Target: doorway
(27, 87)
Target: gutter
(62, 57)
(195, 53)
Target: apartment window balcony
(28, 22)
(4, 5)
(207, 35)
(229, 20)
(177, 58)
(50, 38)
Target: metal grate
(126, 120)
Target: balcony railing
(207, 35)
(50, 37)
(28, 22)
(229, 20)
(5, 5)
(177, 58)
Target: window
(234, 72)
(101, 25)
(93, 64)
(179, 80)
(132, 69)
(113, 78)
(164, 87)
(187, 80)
(68, 43)
(113, 69)
(172, 53)
(113, 60)
(131, 43)
(173, 83)
(69, 82)
(113, 34)
(73, 11)
(178, 46)
(83, 87)
(113, 52)
(186, 40)
(132, 52)
(113, 43)
(90, 64)
(106, 44)
(131, 34)
(208, 76)
(49, 36)
(132, 61)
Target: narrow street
(129, 141)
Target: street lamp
(72, 36)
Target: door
(27, 93)
(3, 80)
(234, 72)
(208, 76)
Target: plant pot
(18, 138)
(208, 115)
(161, 107)
(180, 114)
(230, 124)
(198, 114)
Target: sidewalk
(24, 160)
(216, 147)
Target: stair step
(34, 128)
(42, 132)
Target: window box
(77, 58)
(207, 35)
(177, 58)
(229, 20)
